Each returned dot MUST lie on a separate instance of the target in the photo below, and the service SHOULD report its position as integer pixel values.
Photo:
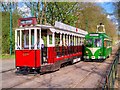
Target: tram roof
(100, 34)
(59, 28)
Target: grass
(7, 56)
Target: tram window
(32, 39)
(50, 39)
(18, 40)
(38, 39)
(75, 41)
(80, 41)
(105, 43)
(88, 43)
(98, 42)
(57, 39)
(25, 39)
(71, 41)
(44, 40)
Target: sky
(110, 9)
(108, 6)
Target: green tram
(97, 45)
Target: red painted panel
(77, 49)
(51, 54)
(30, 58)
(69, 56)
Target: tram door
(44, 46)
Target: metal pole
(32, 8)
(10, 28)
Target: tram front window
(88, 43)
(27, 39)
(98, 42)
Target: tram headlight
(18, 68)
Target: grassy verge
(7, 56)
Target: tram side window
(38, 39)
(32, 39)
(57, 44)
(50, 39)
(105, 44)
(81, 40)
(18, 40)
(57, 39)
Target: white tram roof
(59, 28)
(65, 29)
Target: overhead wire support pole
(32, 8)
(10, 28)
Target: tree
(61, 11)
(6, 29)
(92, 14)
(5, 6)
(53, 11)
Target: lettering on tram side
(25, 54)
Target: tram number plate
(25, 54)
(93, 57)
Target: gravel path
(7, 64)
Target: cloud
(113, 19)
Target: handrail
(111, 73)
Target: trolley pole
(10, 28)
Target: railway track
(87, 75)
(48, 78)
(7, 70)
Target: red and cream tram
(44, 48)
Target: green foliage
(6, 31)
(6, 56)
(92, 14)
(61, 11)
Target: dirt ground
(7, 64)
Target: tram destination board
(94, 34)
(27, 21)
